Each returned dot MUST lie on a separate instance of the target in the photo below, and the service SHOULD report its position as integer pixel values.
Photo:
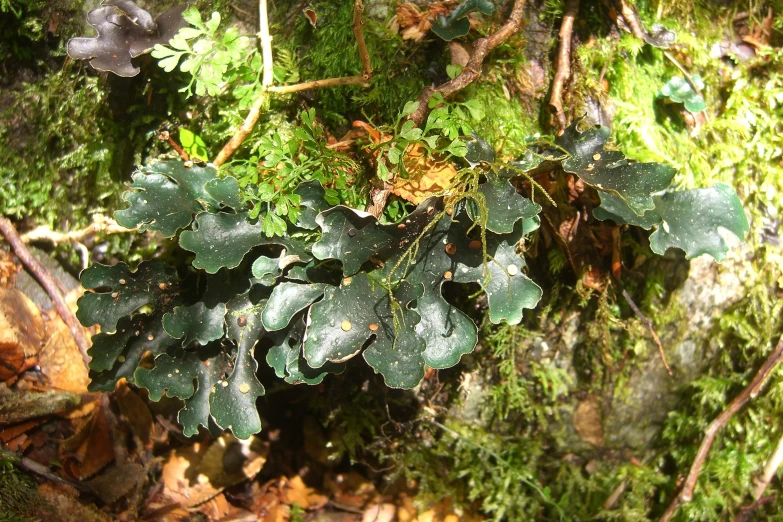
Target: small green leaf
(193, 144)
(195, 323)
(287, 300)
(504, 206)
(221, 240)
(410, 108)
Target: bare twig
(615, 496)
(99, 224)
(751, 391)
(165, 136)
(563, 62)
(315, 84)
(631, 19)
(746, 512)
(472, 70)
(770, 469)
(684, 72)
(358, 32)
(45, 278)
(650, 328)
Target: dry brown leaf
(427, 176)
(197, 473)
(297, 492)
(135, 412)
(21, 331)
(117, 481)
(379, 513)
(11, 432)
(60, 503)
(90, 449)
(8, 269)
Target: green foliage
(278, 166)
(385, 299)
(212, 60)
(678, 90)
(440, 136)
(457, 24)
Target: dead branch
(165, 136)
(746, 512)
(100, 224)
(45, 278)
(751, 391)
(358, 32)
(631, 19)
(650, 328)
(472, 70)
(770, 469)
(563, 62)
(316, 84)
(266, 80)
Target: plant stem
(45, 278)
(315, 84)
(750, 392)
(563, 62)
(358, 32)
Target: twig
(615, 496)
(770, 469)
(563, 62)
(746, 512)
(315, 84)
(631, 19)
(650, 328)
(472, 70)
(750, 392)
(165, 136)
(99, 223)
(358, 32)
(45, 278)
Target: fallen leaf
(297, 492)
(61, 361)
(427, 176)
(379, 513)
(117, 481)
(197, 473)
(135, 412)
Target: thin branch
(358, 32)
(751, 391)
(650, 328)
(684, 72)
(631, 19)
(100, 224)
(746, 512)
(770, 469)
(472, 70)
(45, 278)
(315, 84)
(563, 62)
(266, 44)
(165, 136)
